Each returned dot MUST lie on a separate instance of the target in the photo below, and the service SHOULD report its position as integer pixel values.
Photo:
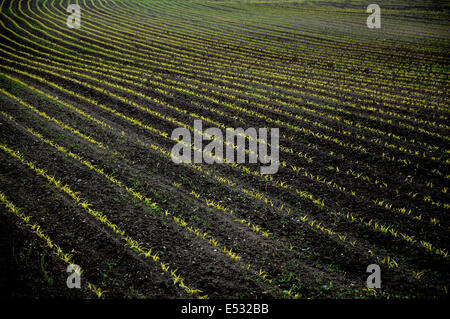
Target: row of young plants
(341, 237)
(135, 246)
(254, 227)
(261, 273)
(167, 6)
(302, 105)
(412, 126)
(294, 168)
(297, 71)
(382, 203)
(98, 10)
(36, 229)
(170, 216)
(325, 230)
(284, 185)
(428, 184)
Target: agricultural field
(87, 177)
